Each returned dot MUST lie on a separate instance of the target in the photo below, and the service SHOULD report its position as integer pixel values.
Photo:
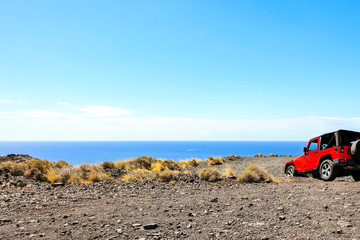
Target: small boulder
(150, 226)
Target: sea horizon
(77, 152)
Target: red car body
(335, 148)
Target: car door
(312, 154)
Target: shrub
(108, 165)
(182, 164)
(96, 176)
(6, 166)
(253, 173)
(74, 177)
(36, 169)
(166, 176)
(158, 166)
(272, 155)
(64, 174)
(143, 162)
(209, 174)
(216, 161)
(186, 172)
(231, 158)
(51, 176)
(140, 175)
(228, 171)
(170, 165)
(193, 162)
(18, 169)
(61, 164)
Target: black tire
(356, 176)
(327, 170)
(291, 171)
(355, 150)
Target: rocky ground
(299, 208)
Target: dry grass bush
(143, 162)
(61, 164)
(64, 174)
(228, 172)
(256, 174)
(85, 173)
(166, 176)
(272, 155)
(108, 165)
(233, 157)
(186, 172)
(6, 166)
(183, 164)
(170, 165)
(158, 166)
(210, 174)
(215, 161)
(99, 177)
(36, 169)
(139, 175)
(193, 162)
(18, 169)
(51, 176)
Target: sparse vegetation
(167, 175)
(228, 172)
(183, 164)
(215, 161)
(210, 174)
(139, 175)
(256, 174)
(37, 169)
(108, 165)
(193, 162)
(233, 157)
(18, 169)
(137, 169)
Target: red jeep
(329, 156)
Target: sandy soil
(302, 208)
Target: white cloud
(109, 125)
(63, 103)
(6, 101)
(42, 114)
(104, 111)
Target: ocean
(98, 152)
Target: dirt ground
(296, 208)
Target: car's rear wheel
(291, 171)
(355, 150)
(327, 170)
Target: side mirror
(306, 150)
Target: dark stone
(150, 226)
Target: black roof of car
(341, 131)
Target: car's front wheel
(290, 171)
(327, 170)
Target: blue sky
(178, 70)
